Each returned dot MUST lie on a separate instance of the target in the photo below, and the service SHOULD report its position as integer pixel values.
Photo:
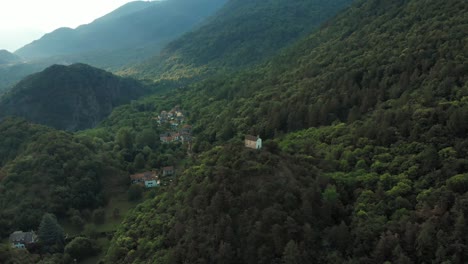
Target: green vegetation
(69, 97)
(343, 72)
(126, 35)
(11, 74)
(364, 158)
(381, 177)
(51, 234)
(242, 33)
(80, 177)
(44, 170)
(80, 248)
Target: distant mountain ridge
(7, 57)
(69, 97)
(128, 35)
(240, 34)
(136, 25)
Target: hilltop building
(253, 142)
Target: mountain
(69, 97)
(346, 70)
(63, 172)
(123, 36)
(7, 58)
(128, 35)
(366, 157)
(242, 33)
(12, 73)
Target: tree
(116, 213)
(146, 138)
(124, 138)
(458, 183)
(81, 247)
(426, 244)
(99, 216)
(5, 253)
(50, 232)
(135, 192)
(291, 254)
(139, 161)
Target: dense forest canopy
(44, 170)
(364, 160)
(71, 97)
(242, 33)
(387, 185)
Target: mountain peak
(82, 96)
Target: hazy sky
(22, 21)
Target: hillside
(126, 36)
(69, 97)
(8, 58)
(366, 161)
(368, 58)
(44, 170)
(364, 158)
(242, 33)
(122, 36)
(12, 74)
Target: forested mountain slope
(132, 28)
(44, 170)
(69, 97)
(391, 54)
(128, 35)
(242, 33)
(367, 161)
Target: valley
(361, 107)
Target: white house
(253, 142)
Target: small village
(177, 131)
(176, 128)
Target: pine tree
(291, 254)
(50, 232)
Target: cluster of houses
(178, 132)
(184, 135)
(174, 117)
(152, 179)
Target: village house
(168, 171)
(253, 142)
(185, 138)
(20, 239)
(186, 129)
(184, 135)
(166, 138)
(149, 179)
(180, 117)
(175, 117)
(174, 124)
(177, 130)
